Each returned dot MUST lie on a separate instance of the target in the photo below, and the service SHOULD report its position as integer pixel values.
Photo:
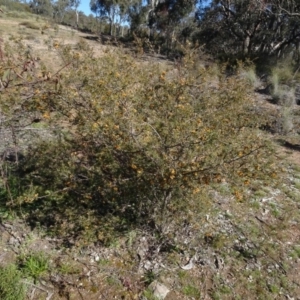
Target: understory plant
(129, 143)
(11, 286)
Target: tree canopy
(248, 28)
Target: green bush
(15, 6)
(135, 143)
(284, 77)
(34, 265)
(11, 287)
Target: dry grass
(42, 41)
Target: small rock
(190, 265)
(147, 265)
(159, 290)
(6, 225)
(13, 241)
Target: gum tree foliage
(137, 15)
(59, 8)
(169, 12)
(249, 26)
(56, 9)
(165, 16)
(42, 7)
(114, 10)
(158, 15)
(74, 4)
(16, 5)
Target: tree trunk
(77, 19)
(110, 27)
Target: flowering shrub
(132, 143)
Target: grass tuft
(34, 265)
(11, 286)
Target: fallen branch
(49, 294)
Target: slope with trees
(250, 27)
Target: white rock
(159, 290)
(147, 265)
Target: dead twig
(49, 293)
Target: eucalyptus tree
(114, 10)
(138, 14)
(42, 7)
(75, 4)
(165, 13)
(249, 27)
(165, 16)
(59, 9)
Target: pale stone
(159, 290)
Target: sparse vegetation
(251, 76)
(11, 285)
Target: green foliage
(295, 253)
(134, 144)
(191, 291)
(287, 120)
(34, 265)
(15, 6)
(246, 28)
(283, 73)
(11, 286)
(68, 268)
(149, 277)
(42, 7)
(251, 76)
(281, 80)
(148, 294)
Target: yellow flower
(238, 195)
(46, 115)
(196, 191)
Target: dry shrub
(134, 143)
(29, 25)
